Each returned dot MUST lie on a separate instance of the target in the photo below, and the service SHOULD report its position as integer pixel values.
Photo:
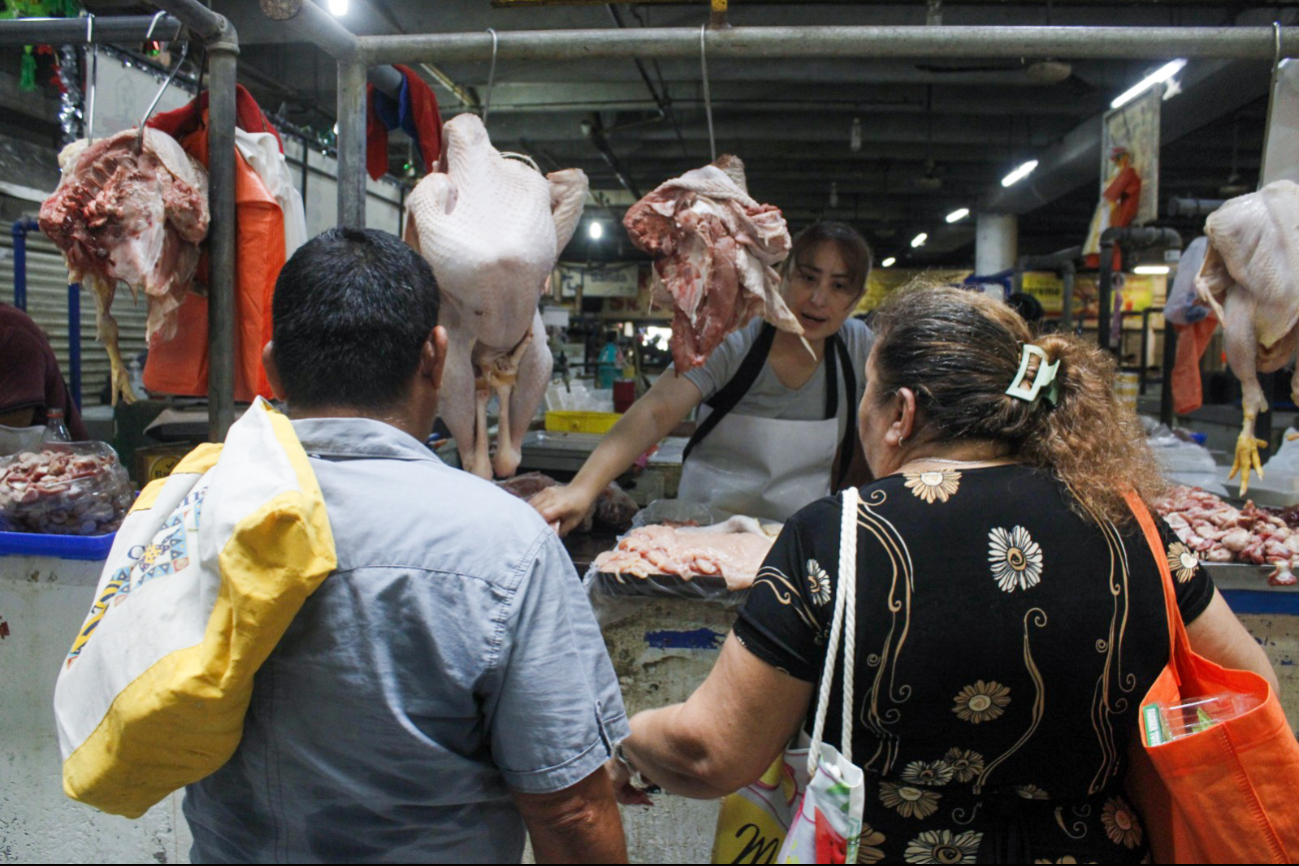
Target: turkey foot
(106, 332)
(503, 374)
(1247, 455)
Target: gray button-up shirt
(451, 657)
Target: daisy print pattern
(1120, 822)
(965, 764)
(1182, 562)
(908, 800)
(818, 582)
(944, 846)
(981, 702)
(933, 486)
(1031, 792)
(932, 773)
(1015, 558)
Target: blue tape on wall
(1261, 601)
(700, 638)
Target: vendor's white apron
(761, 467)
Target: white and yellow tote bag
(206, 573)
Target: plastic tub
(82, 547)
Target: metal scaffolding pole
(1073, 43)
(72, 31)
(223, 55)
(351, 143)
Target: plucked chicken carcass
(1250, 278)
(492, 229)
(130, 208)
(714, 252)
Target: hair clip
(1045, 377)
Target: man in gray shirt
(447, 685)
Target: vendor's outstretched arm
(648, 420)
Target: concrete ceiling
(936, 134)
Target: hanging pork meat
(715, 251)
(133, 209)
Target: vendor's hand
(564, 505)
(624, 791)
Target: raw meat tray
(710, 587)
(1236, 575)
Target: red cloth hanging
(416, 111)
(180, 122)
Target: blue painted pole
(74, 341)
(20, 230)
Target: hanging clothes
(415, 110)
(180, 366)
(261, 150)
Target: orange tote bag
(1230, 793)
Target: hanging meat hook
(708, 100)
(148, 112)
(491, 77)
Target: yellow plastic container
(581, 422)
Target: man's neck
(402, 418)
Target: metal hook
(94, 76)
(148, 112)
(491, 77)
(708, 101)
(1276, 51)
(148, 37)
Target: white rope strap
(845, 600)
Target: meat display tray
(1238, 576)
(667, 585)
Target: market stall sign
(882, 282)
(598, 281)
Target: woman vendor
(778, 429)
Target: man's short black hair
(352, 310)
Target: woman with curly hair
(1010, 612)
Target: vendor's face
(819, 293)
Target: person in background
(1010, 611)
(447, 686)
(1029, 308)
(30, 381)
(778, 432)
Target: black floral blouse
(1003, 646)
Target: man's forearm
(590, 834)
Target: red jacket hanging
(180, 366)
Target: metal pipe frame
(1128, 238)
(223, 56)
(1074, 43)
(1063, 261)
(351, 143)
(72, 31)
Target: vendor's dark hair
(959, 351)
(352, 310)
(854, 250)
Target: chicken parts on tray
(714, 252)
(726, 550)
(1214, 531)
(492, 229)
(1250, 278)
(134, 209)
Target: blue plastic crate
(83, 547)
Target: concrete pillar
(996, 243)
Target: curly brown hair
(958, 351)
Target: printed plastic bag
(1180, 307)
(78, 488)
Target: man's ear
(272, 371)
(433, 356)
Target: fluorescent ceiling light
(338, 7)
(595, 230)
(1151, 269)
(919, 240)
(1160, 75)
(889, 262)
(958, 215)
(1020, 173)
